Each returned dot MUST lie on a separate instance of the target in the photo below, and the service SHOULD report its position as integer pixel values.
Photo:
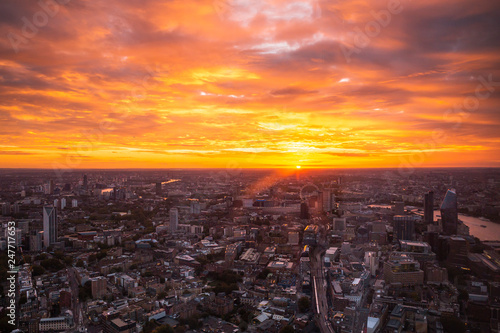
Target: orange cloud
(264, 83)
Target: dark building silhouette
(449, 213)
(404, 227)
(158, 188)
(304, 211)
(85, 182)
(458, 251)
(429, 208)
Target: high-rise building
(36, 240)
(194, 207)
(98, 286)
(15, 208)
(327, 201)
(85, 182)
(404, 227)
(49, 187)
(63, 203)
(158, 188)
(459, 251)
(74, 203)
(339, 224)
(49, 225)
(429, 208)
(371, 261)
(449, 213)
(174, 219)
(304, 211)
(319, 202)
(6, 209)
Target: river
(491, 232)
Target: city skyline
(239, 84)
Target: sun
(298, 166)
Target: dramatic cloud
(249, 83)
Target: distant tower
(49, 187)
(63, 203)
(304, 211)
(327, 201)
(429, 208)
(449, 213)
(49, 225)
(6, 209)
(158, 188)
(85, 182)
(404, 227)
(174, 219)
(195, 207)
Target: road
(75, 302)
(320, 292)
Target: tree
(85, 291)
(52, 264)
(287, 329)
(37, 270)
(102, 254)
(164, 329)
(41, 256)
(68, 260)
(243, 325)
(79, 263)
(59, 254)
(304, 304)
(453, 324)
(262, 275)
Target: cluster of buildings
(136, 251)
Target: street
(320, 289)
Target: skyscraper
(49, 225)
(174, 219)
(158, 188)
(429, 208)
(449, 213)
(304, 211)
(327, 201)
(404, 227)
(85, 182)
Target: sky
(249, 83)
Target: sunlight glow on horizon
(266, 85)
